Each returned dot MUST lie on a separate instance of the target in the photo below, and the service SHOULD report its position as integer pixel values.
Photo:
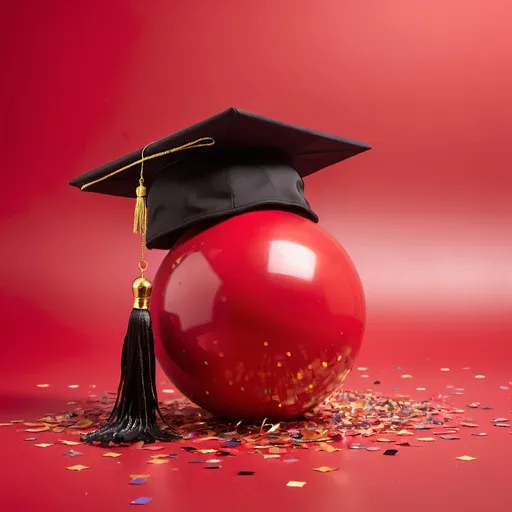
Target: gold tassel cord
(199, 143)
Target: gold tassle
(140, 217)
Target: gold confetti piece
(27, 424)
(158, 461)
(82, 424)
(152, 448)
(160, 456)
(325, 469)
(383, 440)
(445, 369)
(292, 483)
(426, 439)
(406, 376)
(479, 376)
(466, 458)
(73, 386)
(404, 433)
(43, 385)
(167, 390)
(145, 475)
(112, 454)
(326, 447)
(421, 389)
(274, 449)
(271, 456)
(274, 428)
(78, 467)
(207, 451)
(22, 421)
(58, 430)
(43, 445)
(6, 424)
(364, 376)
(69, 443)
(40, 429)
(362, 369)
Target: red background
(426, 215)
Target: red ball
(259, 316)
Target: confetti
(72, 453)
(325, 469)
(145, 475)
(357, 446)
(445, 369)
(426, 439)
(114, 455)
(506, 425)
(421, 389)
(466, 458)
(207, 451)
(480, 434)
(31, 439)
(404, 433)
(373, 449)
(292, 483)
(35, 430)
(6, 424)
(78, 467)
(152, 448)
(141, 501)
(82, 424)
(290, 461)
(383, 440)
(158, 461)
(160, 456)
(499, 420)
(406, 376)
(391, 452)
(271, 456)
(468, 424)
(73, 386)
(479, 376)
(362, 369)
(504, 388)
(212, 466)
(450, 438)
(43, 445)
(69, 443)
(43, 385)
(245, 473)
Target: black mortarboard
(240, 162)
(231, 163)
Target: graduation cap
(229, 164)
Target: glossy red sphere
(260, 316)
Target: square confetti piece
(426, 439)
(466, 458)
(141, 501)
(245, 473)
(158, 461)
(78, 467)
(450, 438)
(292, 483)
(112, 454)
(325, 469)
(391, 452)
(43, 445)
(69, 443)
(137, 481)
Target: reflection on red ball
(260, 316)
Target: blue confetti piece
(173, 455)
(138, 481)
(422, 427)
(141, 501)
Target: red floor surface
(428, 477)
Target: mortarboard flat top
(245, 162)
